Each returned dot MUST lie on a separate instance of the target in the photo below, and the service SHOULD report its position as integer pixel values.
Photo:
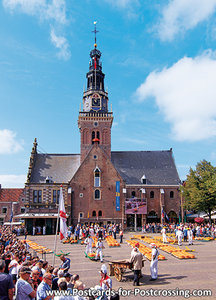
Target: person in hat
(163, 232)
(88, 241)
(154, 262)
(190, 236)
(106, 281)
(179, 235)
(137, 260)
(99, 248)
(24, 290)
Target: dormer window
(97, 174)
(143, 179)
(49, 179)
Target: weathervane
(95, 32)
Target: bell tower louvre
(95, 120)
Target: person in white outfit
(179, 235)
(99, 247)
(163, 231)
(154, 262)
(91, 231)
(88, 242)
(190, 236)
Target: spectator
(63, 287)
(121, 236)
(67, 276)
(35, 279)
(13, 267)
(74, 278)
(6, 283)
(24, 290)
(65, 266)
(44, 287)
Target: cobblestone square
(174, 273)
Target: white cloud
(44, 9)
(53, 11)
(181, 15)
(12, 181)
(122, 3)
(127, 6)
(185, 94)
(8, 143)
(60, 43)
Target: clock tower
(95, 121)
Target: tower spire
(95, 32)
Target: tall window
(95, 135)
(100, 213)
(152, 194)
(133, 194)
(171, 194)
(37, 196)
(94, 213)
(56, 194)
(4, 210)
(97, 177)
(97, 194)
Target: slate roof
(158, 167)
(10, 195)
(60, 167)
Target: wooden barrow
(118, 267)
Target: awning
(12, 223)
(201, 215)
(37, 216)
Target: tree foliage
(199, 189)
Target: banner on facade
(117, 195)
(136, 206)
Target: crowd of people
(198, 229)
(25, 276)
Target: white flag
(63, 217)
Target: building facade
(11, 204)
(100, 185)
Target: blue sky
(160, 63)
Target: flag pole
(55, 243)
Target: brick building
(98, 182)
(11, 199)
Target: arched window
(97, 194)
(152, 194)
(97, 181)
(171, 194)
(100, 213)
(133, 194)
(173, 217)
(93, 136)
(98, 135)
(94, 213)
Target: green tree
(199, 189)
